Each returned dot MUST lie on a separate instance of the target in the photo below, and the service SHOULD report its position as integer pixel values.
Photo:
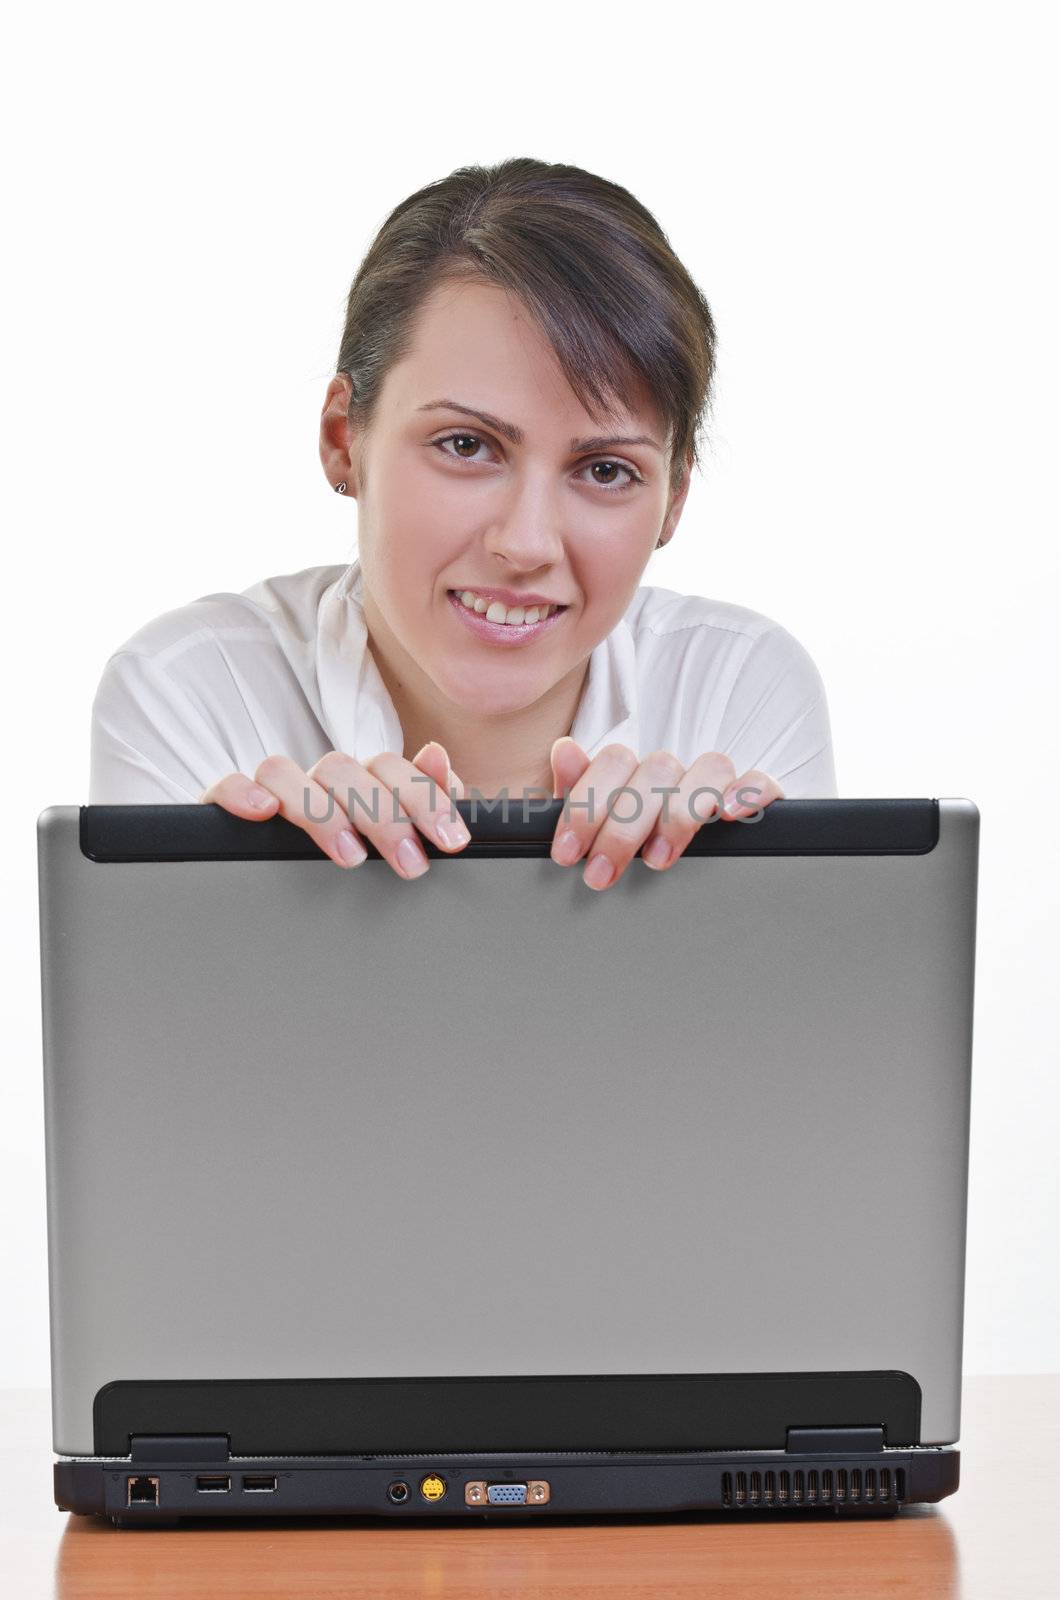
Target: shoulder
(668, 625)
(659, 613)
(713, 675)
(276, 612)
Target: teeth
(495, 611)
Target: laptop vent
(814, 1486)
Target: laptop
(488, 1195)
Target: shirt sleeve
(776, 718)
(150, 742)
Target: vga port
(506, 1494)
(534, 1492)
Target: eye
(612, 488)
(475, 440)
(463, 438)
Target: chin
(474, 693)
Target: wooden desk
(995, 1538)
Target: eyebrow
(516, 436)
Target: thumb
(569, 761)
(433, 759)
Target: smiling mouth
(496, 611)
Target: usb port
(258, 1483)
(213, 1483)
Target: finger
(305, 803)
(374, 810)
(240, 795)
(569, 761)
(585, 806)
(698, 799)
(632, 817)
(434, 759)
(426, 803)
(747, 796)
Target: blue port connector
(506, 1494)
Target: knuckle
(327, 763)
(755, 785)
(220, 786)
(387, 761)
(390, 781)
(620, 752)
(273, 767)
(665, 762)
(336, 774)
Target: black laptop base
(150, 1489)
(524, 1446)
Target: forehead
(477, 342)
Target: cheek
(417, 523)
(608, 574)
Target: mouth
(501, 624)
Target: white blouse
(285, 668)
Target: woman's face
(524, 502)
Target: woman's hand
(279, 786)
(666, 820)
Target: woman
(523, 372)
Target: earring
(340, 488)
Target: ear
(677, 503)
(338, 436)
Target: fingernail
(599, 872)
(567, 848)
(452, 832)
(350, 848)
(411, 857)
(658, 852)
(732, 804)
(259, 797)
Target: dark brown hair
(590, 263)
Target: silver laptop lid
(311, 1126)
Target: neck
(490, 752)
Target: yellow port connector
(432, 1487)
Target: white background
(866, 195)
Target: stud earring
(340, 488)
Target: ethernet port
(142, 1491)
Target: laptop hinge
(179, 1446)
(833, 1441)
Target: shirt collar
(359, 715)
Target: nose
(526, 530)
